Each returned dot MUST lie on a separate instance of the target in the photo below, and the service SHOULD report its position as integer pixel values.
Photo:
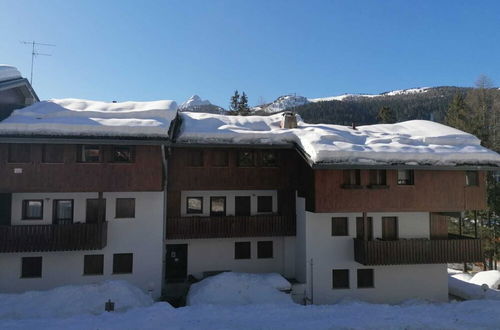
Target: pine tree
(386, 116)
(234, 103)
(458, 114)
(243, 109)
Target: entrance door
(176, 262)
(390, 228)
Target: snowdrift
(491, 278)
(462, 285)
(240, 289)
(72, 300)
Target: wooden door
(176, 262)
(389, 228)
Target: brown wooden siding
(238, 226)
(145, 174)
(433, 191)
(40, 238)
(417, 251)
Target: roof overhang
(82, 140)
(24, 85)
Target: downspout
(165, 182)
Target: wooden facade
(145, 173)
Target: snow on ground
(72, 300)
(467, 286)
(491, 278)
(8, 72)
(75, 117)
(415, 142)
(240, 289)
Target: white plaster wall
(230, 195)
(142, 236)
(300, 246)
(392, 283)
(218, 255)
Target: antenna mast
(35, 53)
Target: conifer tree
(243, 109)
(234, 103)
(458, 114)
(386, 116)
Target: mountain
(280, 104)
(197, 104)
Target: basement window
(31, 267)
(265, 249)
(340, 279)
(93, 264)
(406, 177)
(242, 250)
(365, 278)
(123, 263)
(194, 205)
(471, 179)
(33, 209)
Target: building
(15, 91)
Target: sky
(149, 50)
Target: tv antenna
(34, 53)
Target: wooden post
(365, 227)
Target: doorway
(176, 263)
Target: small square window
(265, 250)
(265, 204)
(269, 158)
(365, 278)
(471, 178)
(242, 250)
(339, 227)
(195, 158)
(89, 154)
(405, 177)
(217, 206)
(93, 264)
(220, 158)
(31, 267)
(378, 178)
(63, 211)
(194, 205)
(125, 208)
(340, 279)
(123, 263)
(33, 209)
(246, 159)
(53, 153)
(352, 178)
(123, 154)
(19, 153)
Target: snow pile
(240, 289)
(194, 101)
(282, 103)
(71, 300)
(491, 278)
(75, 117)
(8, 72)
(415, 142)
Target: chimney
(289, 120)
(353, 126)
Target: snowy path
(478, 314)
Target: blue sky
(146, 50)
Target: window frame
(239, 159)
(25, 202)
(475, 181)
(238, 256)
(39, 273)
(121, 216)
(269, 152)
(262, 252)
(114, 149)
(348, 176)
(55, 219)
(10, 153)
(343, 233)
(80, 155)
(187, 204)
(116, 256)
(372, 279)
(411, 180)
(338, 287)
(218, 214)
(259, 204)
(100, 266)
(378, 179)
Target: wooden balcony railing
(40, 238)
(230, 226)
(417, 251)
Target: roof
(410, 143)
(8, 72)
(84, 118)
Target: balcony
(230, 226)
(44, 238)
(418, 251)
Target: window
(365, 278)
(31, 267)
(360, 228)
(242, 250)
(220, 158)
(405, 177)
(123, 154)
(471, 178)
(265, 249)
(53, 153)
(33, 209)
(269, 158)
(246, 159)
(63, 211)
(242, 205)
(340, 279)
(195, 158)
(95, 210)
(378, 178)
(217, 206)
(194, 205)
(125, 208)
(89, 154)
(19, 153)
(339, 227)
(265, 204)
(93, 264)
(352, 178)
(123, 263)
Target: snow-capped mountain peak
(194, 101)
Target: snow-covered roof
(75, 117)
(415, 142)
(8, 72)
